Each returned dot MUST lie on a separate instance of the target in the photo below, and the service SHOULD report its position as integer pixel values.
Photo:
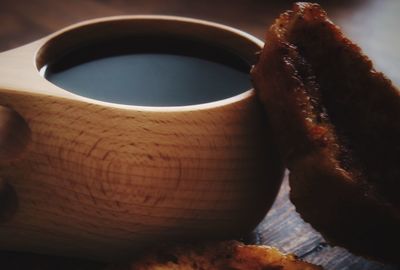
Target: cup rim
(180, 108)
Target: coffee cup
(98, 179)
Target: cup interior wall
(88, 35)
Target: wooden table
(373, 24)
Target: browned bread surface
(227, 255)
(337, 124)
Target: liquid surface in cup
(151, 72)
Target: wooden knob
(14, 137)
(14, 134)
(8, 201)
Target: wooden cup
(100, 180)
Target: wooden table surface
(373, 24)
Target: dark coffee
(151, 71)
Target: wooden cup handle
(14, 137)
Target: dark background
(373, 24)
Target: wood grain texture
(102, 187)
(373, 24)
(101, 180)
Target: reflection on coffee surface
(151, 71)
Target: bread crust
(230, 255)
(337, 122)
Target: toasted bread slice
(337, 125)
(225, 255)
